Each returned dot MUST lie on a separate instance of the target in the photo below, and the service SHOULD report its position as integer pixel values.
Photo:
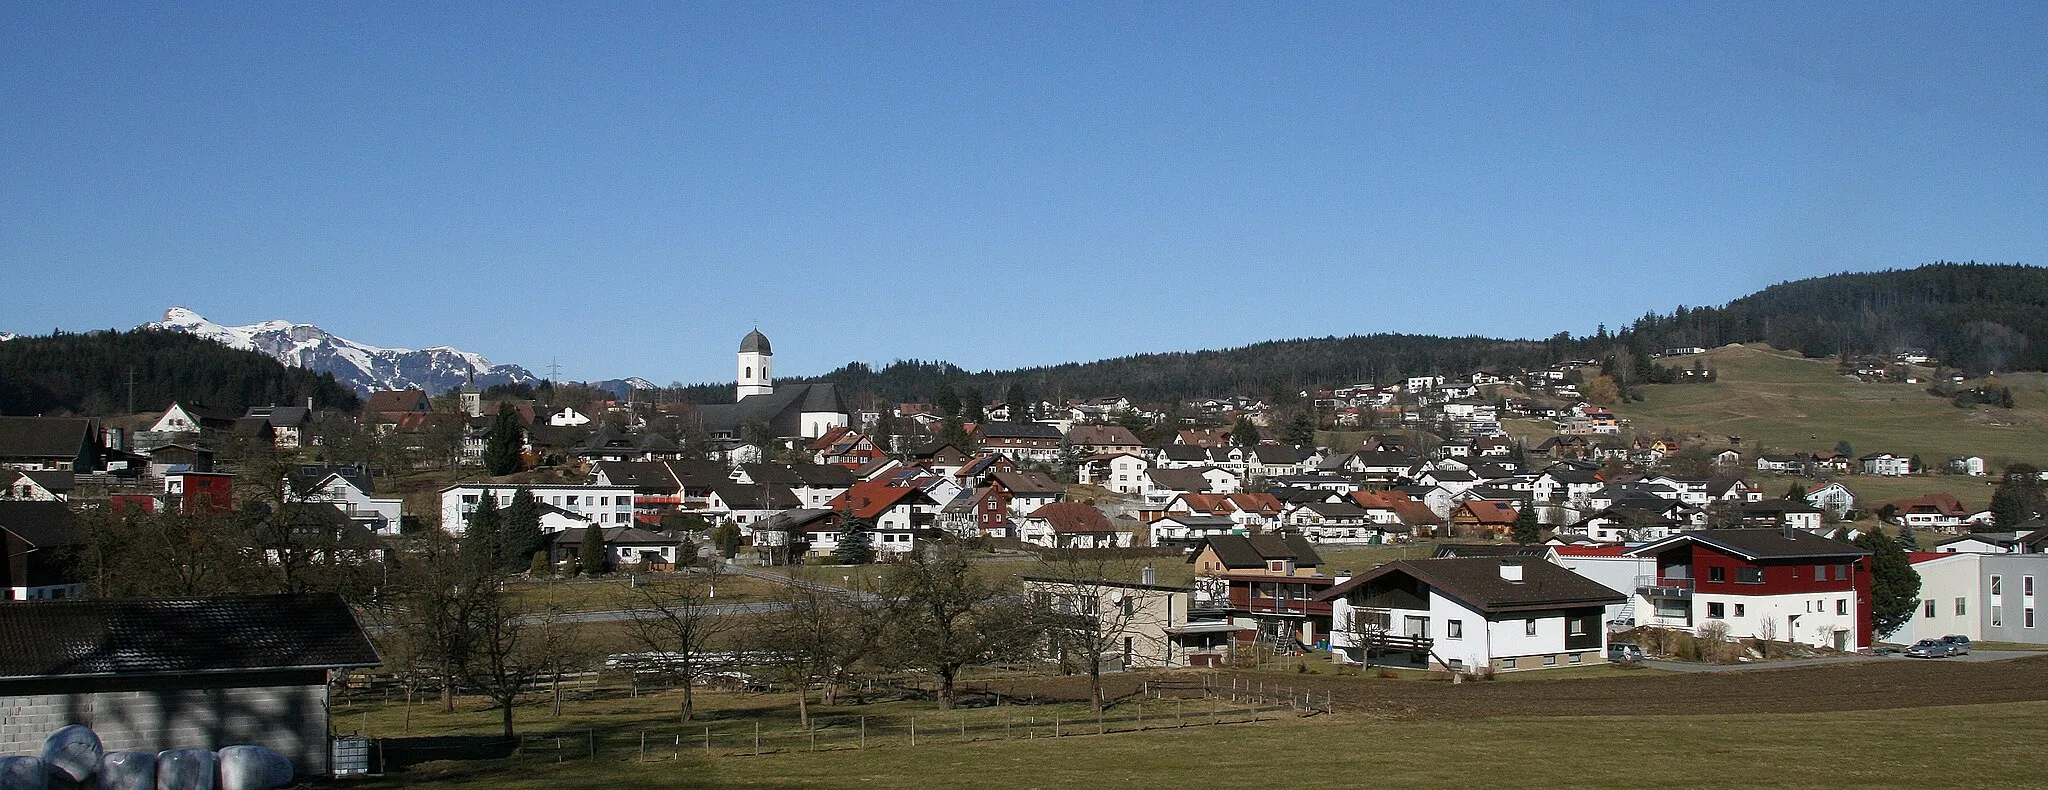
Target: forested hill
(1978, 317)
(87, 373)
(1975, 316)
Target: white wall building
(606, 506)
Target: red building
(199, 492)
(1784, 584)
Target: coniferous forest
(88, 373)
(1976, 317)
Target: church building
(803, 411)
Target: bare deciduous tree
(1090, 609)
(676, 620)
(944, 616)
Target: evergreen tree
(1527, 531)
(972, 408)
(2010, 506)
(1845, 449)
(483, 543)
(947, 401)
(1913, 465)
(1301, 429)
(1796, 494)
(1907, 540)
(853, 548)
(1895, 586)
(522, 528)
(1244, 433)
(538, 567)
(502, 444)
(1023, 402)
(727, 538)
(592, 555)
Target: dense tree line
(1975, 316)
(88, 372)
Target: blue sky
(627, 188)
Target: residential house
(1266, 582)
(1986, 597)
(39, 485)
(1339, 522)
(1783, 464)
(1028, 442)
(54, 443)
(845, 447)
(387, 407)
(1121, 472)
(1103, 440)
(1072, 525)
(1484, 518)
(192, 419)
(290, 426)
(1780, 512)
(1024, 492)
(1502, 614)
(1972, 465)
(623, 546)
(38, 538)
(1187, 530)
(1887, 464)
(188, 491)
(606, 506)
(1834, 498)
(1939, 511)
(351, 490)
(1160, 626)
(1783, 584)
(892, 509)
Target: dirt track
(1871, 685)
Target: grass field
(1785, 750)
(614, 592)
(1783, 401)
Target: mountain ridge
(360, 366)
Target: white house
(1500, 613)
(1887, 464)
(568, 416)
(1073, 525)
(352, 495)
(607, 506)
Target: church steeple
(755, 358)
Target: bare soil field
(1871, 685)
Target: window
(1997, 615)
(1529, 627)
(1507, 663)
(1842, 605)
(1716, 610)
(1550, 661)
(1841, 572)
(1740, 609)
(1927, 608)
(2026, 585)
(1960, 608)
(1717, 574)
(1577, 657)
(1997, 586)
(1820, 573)
(2027, 617)
(1578, 626)
(1749, 575)
(1454, 629)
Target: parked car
(1958, 645)
(1624, 652)
(1929, 648)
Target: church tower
(755, 357)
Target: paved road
(1975, 656)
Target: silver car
(1930, 648)
(1958, 645)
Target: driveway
(1975, 656)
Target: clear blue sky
(629, 188)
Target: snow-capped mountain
(624, 388)
(366, 368)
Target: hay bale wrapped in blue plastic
(186, 769)
(73, 753)
(128, 771)
(24, 773)
(253, 768)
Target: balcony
(1663, 587)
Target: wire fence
(1159, 705)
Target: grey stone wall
(291, 719)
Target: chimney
(1511, 569)
(1148, 575)
(1787, 527)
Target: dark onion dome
(755, 342)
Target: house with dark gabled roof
(1784, 584)
(38, 538)
(1073, 525)
(60, 443)
(1469, 613)
(1264, 582)
(157, 674)
(1024, 441)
